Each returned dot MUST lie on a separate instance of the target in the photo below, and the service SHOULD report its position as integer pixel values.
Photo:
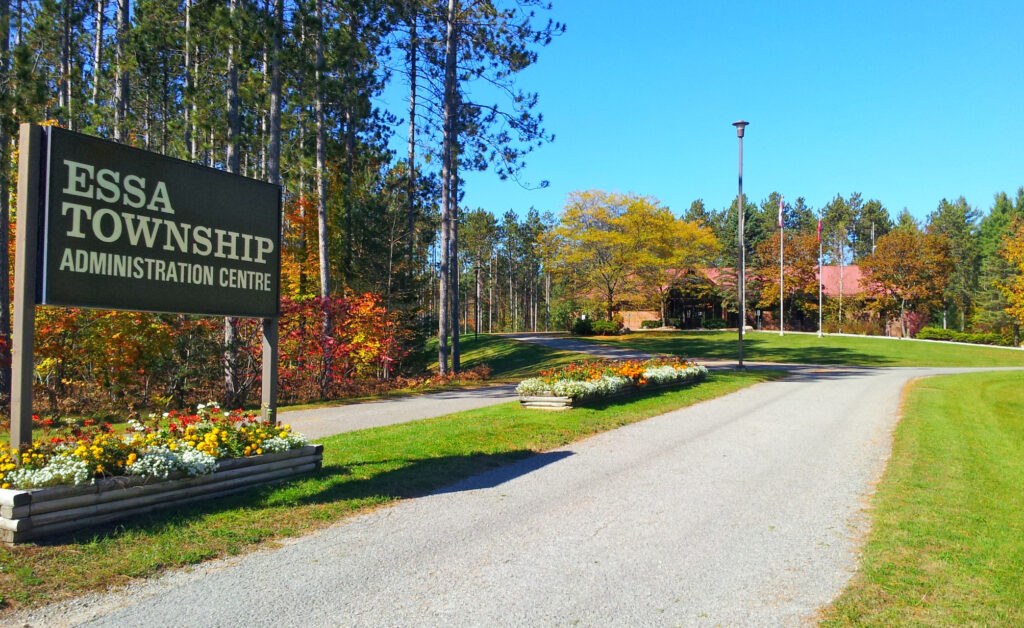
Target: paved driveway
(743, 510)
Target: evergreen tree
(957, 222)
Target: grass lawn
(809, 349)
(362, 470)
(510, 360)
(947, 545)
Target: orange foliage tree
(908, 271)
(800, 274)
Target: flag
(819, 227)
(780, 212)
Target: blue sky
(906, 102)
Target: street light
(739, 212)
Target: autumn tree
(1013, 284)
(674, 248)
(800, 275)
(604, 238)
(908, 270)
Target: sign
(128, 229)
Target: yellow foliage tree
(607, 243)
(673, 249)
(1013, 287)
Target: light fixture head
(739, 127)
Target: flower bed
(87, 474)
(595, 379)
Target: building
(707, 294)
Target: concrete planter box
(553, 402)
(40, 512)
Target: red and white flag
(780, 212)
(819, 227)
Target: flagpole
(819, 275)
(781, 276)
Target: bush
(935, 333)
(582, 327)
(714, 323)
(606, 328)
(650, 324)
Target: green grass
(947, 541)
(510, 360)
(809, 349)
(362, 470)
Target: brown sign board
(128, 229)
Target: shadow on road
(801, 372)
(507, 473)
(337, 483)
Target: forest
(380, 258)
(289, 92)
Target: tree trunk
(321, 159)
(547, 301)
(903, 321)
(490, 295)
(453, 261)
(411, 183)
(447, 148)
(232, 392)
(443, 286)
(274, 150)
(477, 314)
(121, 76)
(187, 96)
(97, 60)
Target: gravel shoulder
(743, 510)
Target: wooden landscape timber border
(36, 513)
(554, 402)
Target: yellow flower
(5, 485)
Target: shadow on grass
(509, 358)
(335, 483)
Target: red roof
(851, 280)
(829, 279)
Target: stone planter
(553, 402)
(36, 513)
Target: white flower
(291, 440)
(160, 461)
(60, 470)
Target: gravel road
(320, 422)
(743, 510)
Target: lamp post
(739, 211)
